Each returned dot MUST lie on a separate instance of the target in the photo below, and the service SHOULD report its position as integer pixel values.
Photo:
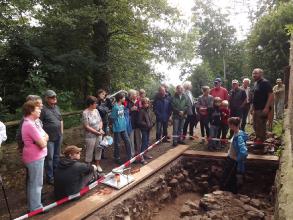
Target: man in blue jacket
(162, 110)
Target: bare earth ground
(172, 211)
(14, 174)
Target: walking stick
(6, 201)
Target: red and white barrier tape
(87, 188)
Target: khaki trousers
(260, 124)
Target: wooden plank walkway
(222, 155)
(94, 202)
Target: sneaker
(99, 169)
(143, 162)
(148, 157)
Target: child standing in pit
(215, 124)
(237, 154)
(119, 128)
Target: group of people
(215, 106)
(40, 137)
(217, 111)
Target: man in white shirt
(191, 119)
(3, 137)
(246, 107)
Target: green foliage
(80, 46)
(289, 29)
(35, 83)
(65, 99)
(201, 76)
(213, 40)
(278, 128)
(268, 43)
(72, 121)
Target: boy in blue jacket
(237, 154)
(119, 128)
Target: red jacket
(225, 115)
(220, 92)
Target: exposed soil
(172, 210)
(188, 189)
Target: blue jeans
(214, 131)
(35, 184)
(53, 156)
(159, 127)
(145, 137)
(178, 124)
(126, 140)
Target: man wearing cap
(279, 98)
(71, 176)
(261, 105)
(218, 90)
(53, 125)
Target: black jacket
(215, 116)
(69, 176)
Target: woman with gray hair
(191, 119)
(132, 104)
(39, 102)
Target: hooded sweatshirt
(69, 177)
(238, 150)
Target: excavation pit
(188, 188)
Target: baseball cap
(50, 93)
(279, 80)
(71, 150)
(235, 81)
(217, 80)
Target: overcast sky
(238, 17)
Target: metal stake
(6, 201)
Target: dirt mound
(221, 205)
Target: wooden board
(94, 202)
(223, 155)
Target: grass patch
(278, 128)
